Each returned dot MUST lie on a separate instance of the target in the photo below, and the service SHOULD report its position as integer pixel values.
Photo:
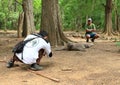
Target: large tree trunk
(118, 23)
(20, 25)
(51, 22)
(108, 18)
(28, 23)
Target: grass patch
(117, 43)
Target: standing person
(90, 31)
(33, 51)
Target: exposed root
(111, 36)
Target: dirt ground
(98, 65)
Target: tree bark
(118, 23)
(108, 18)
(20, 25)
(51, 22)
(28, 23)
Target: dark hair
(43, 33)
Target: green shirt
(91, 26)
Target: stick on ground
(3, 61)
(50, 78)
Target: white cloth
(31, 49)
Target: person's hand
(50, 55)
(44, 53)
(93, 30)
(89, 30)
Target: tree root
(111, 36)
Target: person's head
(44, 34)
(89, 20)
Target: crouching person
(90, 31)
(33, 51)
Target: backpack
(18, 48)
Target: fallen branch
(50, 78)
(66, 69)
(3, 61)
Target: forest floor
(98, 65)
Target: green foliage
(118, 43)
(14, 15)
(73, 10)
(9, 14)
(36, 5)
(2, 17)
(37, 13)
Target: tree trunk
(118, 23)
(51, 22)
(20, 25)
(28, 23)
(108, 18)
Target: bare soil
(98, 65)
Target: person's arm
(88, 29)
(48, 50)
(93, 27)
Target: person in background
(33, 51)
(90, 31)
